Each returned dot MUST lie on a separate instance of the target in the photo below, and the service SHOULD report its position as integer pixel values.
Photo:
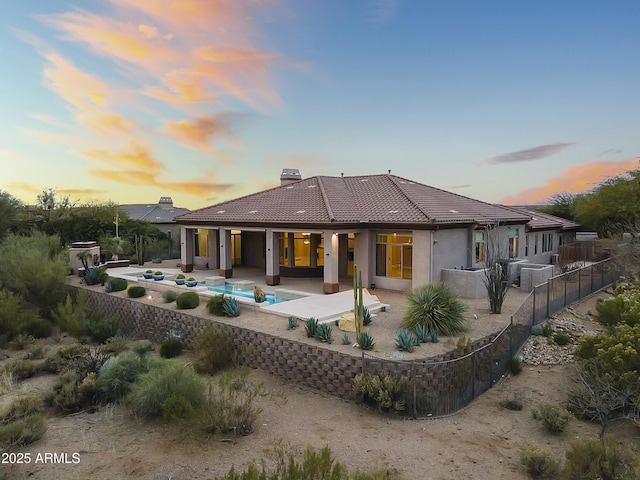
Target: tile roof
(152, 213)
(376, 199)
(544, 221)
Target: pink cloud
(574, 179)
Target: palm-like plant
(437, 308)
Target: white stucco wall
(450, 250)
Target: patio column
(212, 249)
(331, 263)
(226, 269)
(186, 249)
(272, 257)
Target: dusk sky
(207, 100)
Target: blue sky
(206, 100)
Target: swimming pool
(229, 289)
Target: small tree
(496, 275)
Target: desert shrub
(168, 390)
(536, 330)
(314, 465)
(213, 348)
(437, 307)
(115, 345)
(600, 459)
(38, 327)
(96, 275)
(311, 326)
(169, 296)
(23, 431)
(136, 291)
(230, 407)
(21, 408)
(24, 369)
(554, 417)
(118, 374)
(73, 392)
(21, 342)
(65, 356)
(539, 464)
(547, 329)
(514, 402)
(515, 365)
(188, 300)
(624, 308)
(386, 391)
(35, 267)
(117, 285)
(35, 353)
(231, 307)
(215, 305)
(324, 333)
(562, 338)
(406, 340)
(365, 340)
(72, 316)
(142, 347)
(9, 308)
(170, 347)
(102, 327)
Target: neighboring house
(161, 214)
(399, 232)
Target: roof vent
(289, 175)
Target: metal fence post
(548, 298)
(533, 320)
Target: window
(513, 242)
(284, 248)
(394, 255)
(479, 245)
(200, 239)
(526, 245)
(302, 249)
(236, 247)
(547, 242)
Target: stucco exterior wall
(450, 250)
(541, 257)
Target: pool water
(229, 289)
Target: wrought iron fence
(446, 384)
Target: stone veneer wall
(447, 382)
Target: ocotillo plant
(358, 300)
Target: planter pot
(157, 278)
(192, 284)
(148, 276)
(180, 281)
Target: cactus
(258, 295)
(358, 300)
(139, 244)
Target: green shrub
(213, 349)
(38, 327)
(21, 408)
(65, 357)
(35, 353)
(69, 395)
(116, 344)
(515, 365)
(405, 340)
(547, 329)
(562, 338)
(311, 326)
(170, 347)
(386, 392)
(231, 307)
(9, 308)
(21, 342)
(215, 305)
(102, 327)
(169, 296)
(118, 374)
(72, 316)
(539, 464)
(23, 431)
(324, 333)
(188, 300)
(168, 390)
(437, 307)
(136, 291)
(554, 417)
(142, 347)
(117, 285)
(600, 459)
(610, 310)
(96, 275)
(229, 407)
(24, 369)
(365, 340)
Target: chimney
(165, 203)
(290, 175)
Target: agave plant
(421, 333)
(365, 340)
(346, 340)
(405, 340)
(438, 308)
(293, 323)
(324, 333)
(231, 307)
(366, 317)
(311, 326)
